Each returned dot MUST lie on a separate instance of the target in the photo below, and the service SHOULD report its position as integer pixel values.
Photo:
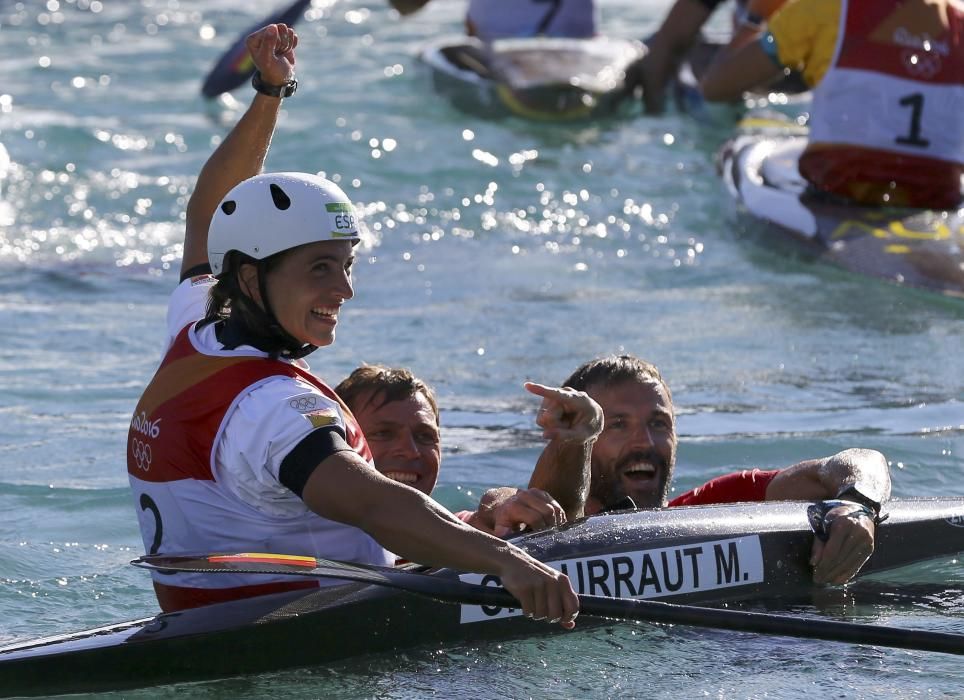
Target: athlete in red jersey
(748, 485)
(888, 94)
(635, 456)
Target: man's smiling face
(636, 452)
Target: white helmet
(269, 213)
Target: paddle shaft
(452, 590)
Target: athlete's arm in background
(750, 20)
(242, 153)
(571, 421)
(851, 539)
(557, 491)
(345, 488)
(737, 70)
(666, 48)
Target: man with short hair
(399, 415)
(635, 455)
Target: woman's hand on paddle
(545, 594)
(272, 49)
(567, 414)
(850, 545)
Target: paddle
(456, 591)
(235, 66)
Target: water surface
(502, 251)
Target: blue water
(503, 251)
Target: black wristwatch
(853, 494)
(285, 90)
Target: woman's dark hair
(245, 321)
(227, 297)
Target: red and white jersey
(205, 447)
(502, 19)
(894, 86)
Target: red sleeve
(738, 487)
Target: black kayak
(705, 554)
(914, 247)
(538, 78)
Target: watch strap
(285, 90)
(853, 494)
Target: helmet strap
(237, 330)
(292, 348)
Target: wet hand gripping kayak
(667, 559)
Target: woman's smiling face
(307, 287)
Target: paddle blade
(261, 563)
(445, 589)
(235, 66)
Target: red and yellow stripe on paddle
(260, 558)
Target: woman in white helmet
(235, 445)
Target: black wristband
(853, 494)
(820, 522)
(285, 90)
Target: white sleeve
(260, 431)
(188, 303)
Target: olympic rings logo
(303, 403)
(921, 64)
(142, 454)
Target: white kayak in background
(914, 247)
(540, 78)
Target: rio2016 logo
(147, 428)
